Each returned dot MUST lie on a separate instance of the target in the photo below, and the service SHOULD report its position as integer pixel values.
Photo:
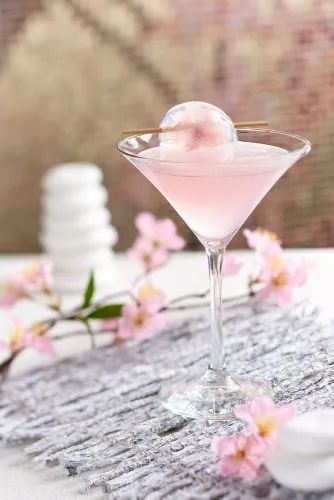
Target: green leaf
(89, 292)
(106, 312)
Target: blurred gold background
(74, 73)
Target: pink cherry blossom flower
(142, 319)
(162, 234)
(240, 455)
(20, 337)
(280, 277)
(35, 277)
(149, 256)
(198, 127)
(264, 417)
(262, 241)
(147, 291)
(231, 265)
(203, 133)
(30, 279)
(110, 325)
(10, 296)
(14, 340)
(41, 343)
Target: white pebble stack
(304, 457)
(76, 231)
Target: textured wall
(73, 73)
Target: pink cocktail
(214, 199)
(214, 190)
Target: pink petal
(159, 257)
(247, 471)
(155, 304)
(143, 333)
(166, 233)
(271, 440)
(231, 265)
(255, 449)
(4, 345)
(241, 440)
(165, 229)
(152, 325)
(262, 243)
(269, 249)
(9, 299)
(284, 296)
(264, 292)
(228, 466)
(256, 459)
(140, 247)
(176, 243)
(159, 322)
(45, 345)
(142, 250)
(33, 278)
(261, 405)
(40, 343)
(225, 445)
(125, 329)
(153, 321)
(202, 132)
(145, 223)
(128, 311)
(15, 322)
(230, 444)
(252, 427)
(109, 324)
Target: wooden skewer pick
(260, 123)
(161, 130)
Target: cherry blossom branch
(201, 295)
(205, 294)
(78, 314)
(79, 333)
(187, 307)
(144, 313)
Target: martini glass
(214, 198)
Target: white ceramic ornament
(301, 472)
(304, 458)
(65, 177)
(76, 231)
(310, 433)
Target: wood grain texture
(98, 416)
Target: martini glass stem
(217, 351)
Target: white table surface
(21, 479)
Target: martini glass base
(212, 397)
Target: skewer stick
(260, 123)
(161, 130)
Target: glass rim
(299, 152)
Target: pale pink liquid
(215, 194)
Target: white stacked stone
(76, 232)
